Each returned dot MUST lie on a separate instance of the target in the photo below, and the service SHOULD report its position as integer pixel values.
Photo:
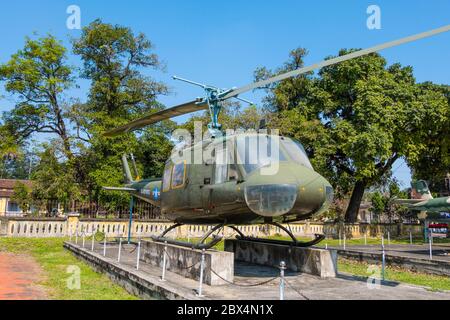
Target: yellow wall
(3, 202)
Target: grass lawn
(54, 260)
(397, 275)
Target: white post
(345, 238)
(282, 268)
(383, 262)
(431, 246)
(104, 246)
(202, 266)
(76, 237)
(326, 246)
(138, 257)
(163, 276)
(93, 242)
(83, 240)
(120, 250)
(389, 238)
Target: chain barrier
(296, 290)
(245, 285)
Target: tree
(38, 75)
(53, 178)
(154, 150)
(22, 196)
(382, 202)
(356, 118)
(113, 56)
(433, 163)
(232, 117)
(113, 59)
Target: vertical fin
(126, 170)
(420, 190)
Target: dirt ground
(19, 278)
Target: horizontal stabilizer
(119, 189)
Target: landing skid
(319, 238)
(216, 239)
(294, 243)
(199, 246)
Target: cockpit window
(296, 152)
(257, 151)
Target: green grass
(433, 282)
(54, 261)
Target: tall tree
(38, 75)
(356, 118)
(433, 162)
(114, 59)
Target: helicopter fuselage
(236, 183)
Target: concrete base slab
(314, 261)
(219, 265)
(146, 282)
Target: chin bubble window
(178, 175)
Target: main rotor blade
(179, 110)
(336, 60)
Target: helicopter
(230, 187)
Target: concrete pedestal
(318, 262)
(186, 262)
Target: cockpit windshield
(296, 152)
(257, 151)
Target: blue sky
(223, 42)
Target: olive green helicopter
(246, 178)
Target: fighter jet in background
(422, 200)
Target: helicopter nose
(315, 194)
(271, 200)
(301, 192)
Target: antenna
(133, 162)
(190, 81)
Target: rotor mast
(214, 97)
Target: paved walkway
(441, 252)
(300, 286)
(18, 278)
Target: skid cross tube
(319, 238)
(200, 246)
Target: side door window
(221, 166)
(179, 175)
(225, 168)
(167, 178)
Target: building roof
(7, 186)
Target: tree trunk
(351, 215)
